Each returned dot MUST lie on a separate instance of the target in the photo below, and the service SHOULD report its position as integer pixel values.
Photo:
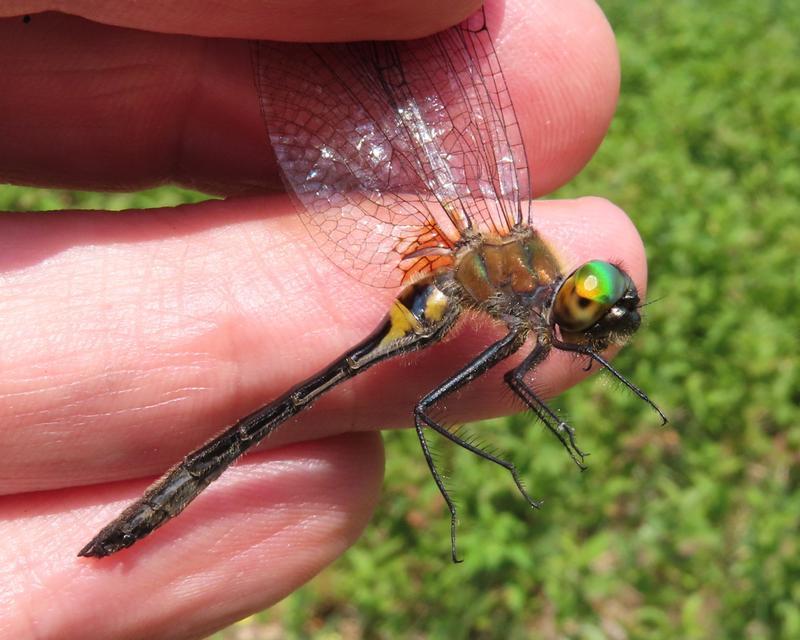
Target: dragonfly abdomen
(421, 314)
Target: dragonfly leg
(496, 353)
(515, 379)
(437, 478)
(586, 351)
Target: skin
(129, 339)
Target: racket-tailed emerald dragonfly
(407, 166)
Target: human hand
(129, 339)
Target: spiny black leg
(549, 417)
(565, 346)
(437, 478)
(496, 353)
(508, 466)
(515, 379)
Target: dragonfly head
(597, 305)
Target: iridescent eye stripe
(599, 281)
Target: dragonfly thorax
(514, 267)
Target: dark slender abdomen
(420, 315)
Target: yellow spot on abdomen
(401, 323)
(435, 306)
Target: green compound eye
(599, 282)
(588, 294)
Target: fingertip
(193, 117)
(257, 534)
(283, 20)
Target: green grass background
(686, 531)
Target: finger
(95, 107)
(130, 339)
(271, 524)
(285, 20)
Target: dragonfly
(407, 165)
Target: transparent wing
(395, 150)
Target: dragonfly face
(597, 306)
(408, 168)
